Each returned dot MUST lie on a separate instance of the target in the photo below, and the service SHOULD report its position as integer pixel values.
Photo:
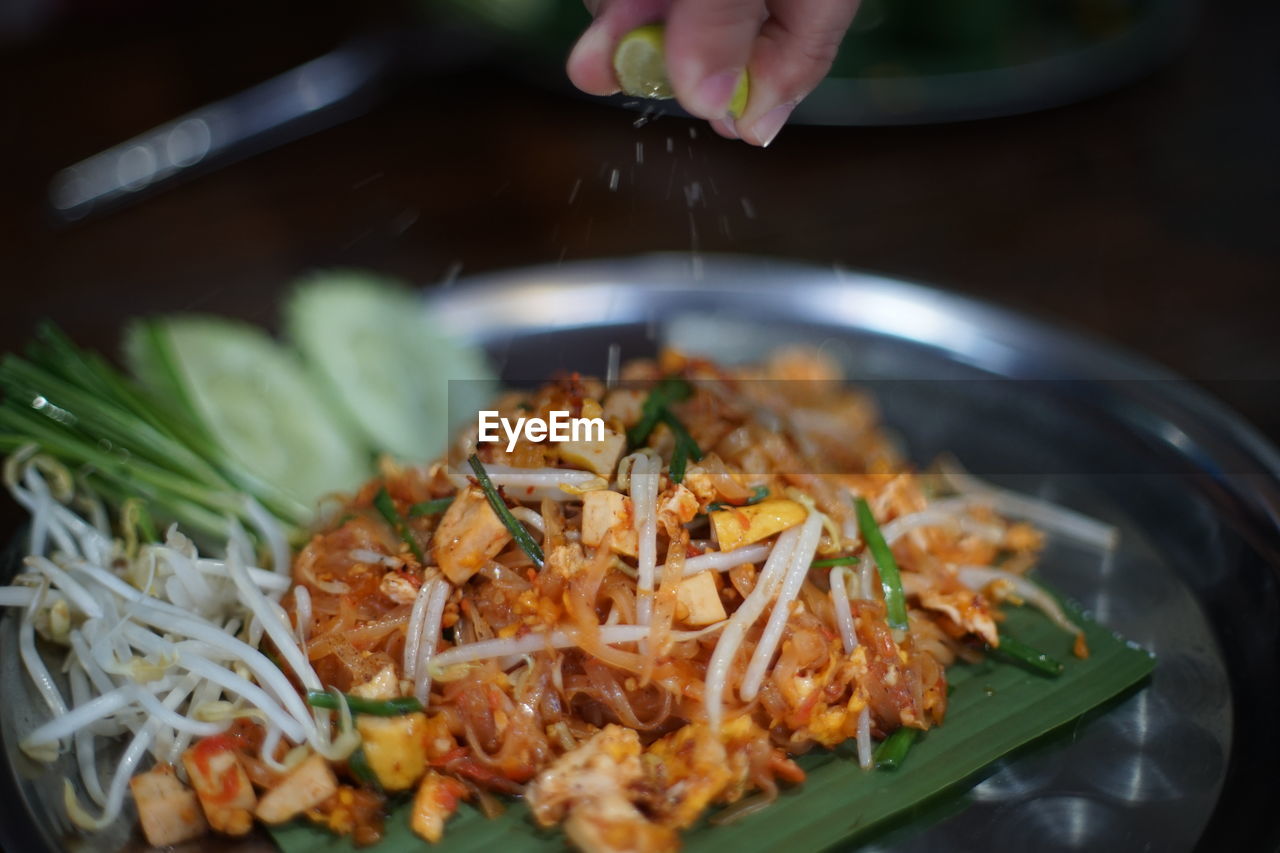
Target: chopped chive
(895, 600)
(358, 764)
(892, 751)
(654, 410)
(518, 531)
(87, 414)
(686, 448)
(760, 493)
(387, 508)
(835, 561)
(1017, 651)
(669, 390)
(434, 507)
(374, 707)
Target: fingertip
(765, 129)
(791, 57)
(590, 65)
(725, 127)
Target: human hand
(787, 47)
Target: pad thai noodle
(629, 632)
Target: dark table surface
(1149, 217)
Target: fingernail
(711, 96)
(767, 126)
(725, 127)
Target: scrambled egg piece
(966, 608)
(597, 784)
(743, 525)
(436, 801)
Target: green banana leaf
(995, 707)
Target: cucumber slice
(388, 361)
(256, 399)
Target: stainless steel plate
(1194, 490)
(1188, 760)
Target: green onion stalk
(895, 599)
(127, 443)
(518, 531)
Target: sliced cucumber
(256, 399)
(389, 363)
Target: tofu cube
(743, 525)
(310, 784)
(469, 535)
(603, 511)
(395, 747)
(167, 809)
(698, 600)
(222, 785)
(600, 457)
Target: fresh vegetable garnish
(890, 580)
(374, 707)
(385, 361)
(655, 409)
(892, 751)
(434, 507)
(83, 412)
(669, 390)
(387, 509)
(835, 561)
(1019, 652)
(256, 398)
(686, 448)
(518, 531)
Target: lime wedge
(738, 103)
(640, 63)
(641, 66)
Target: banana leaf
(995, 708)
